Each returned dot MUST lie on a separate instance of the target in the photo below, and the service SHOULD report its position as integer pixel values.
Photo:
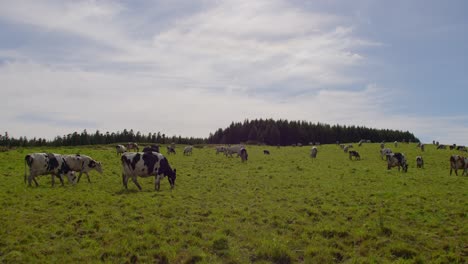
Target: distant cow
(458, 162)
(397, 160)
(233, 150)
(354, 154)
(382, 145)
(170, 149)
(146, 164)
(46, 164)
(120, 149)
(151, 148)
(441, 146)
(345, 149)
(82, 164)
(384, 152)
(266, 152)
(395, 144)
(243, 154)
(422, 147)
(220, 149)
(133, 145)
(313, 152)
(188, 150)
(342, 146)
(419, 162)
(461, 148)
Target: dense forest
(258, 131)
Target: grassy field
(282, 208)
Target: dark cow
(243, 154)
(441, 146)
(151, 148)
(419, 162)
(133, 145)
(355, 154)
(170, 149)
(146, 164)
(46, 164)
(82, 164)
(458, 162)
(266, 152)
(397, 160)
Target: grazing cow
(354, 154)
(220, 149)
(133, 145)
(82, 164)
(266, 152)
(345, 149)
(146, 164)
(441, 146)
(45, 164)
(120, 149)
(233, 150)
(243, 154)
(188, 150)
(170, 149)
(458, 162)
(419, 162)
(360, 142)
(397, 160)
(461, 148)
(152, 148)
(384, 152)
(313, 152)
(395, 144)
(382, 145)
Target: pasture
(278, 208)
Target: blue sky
(189, 67)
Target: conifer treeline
(268, 131)
(284, 132)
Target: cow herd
(151, 162)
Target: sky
(190, 67)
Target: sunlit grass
(281, 208)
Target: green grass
(282, 208)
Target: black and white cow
(151, 148)
(146, 164)
(419, 162)
(120, 149)
(133, 145)
(313, 152)
(384, 152)
(243, 154)
(170, 149)
(266, 152)
(458, 162)
(82, 164)
(46, 164)
(397, 160)
(188, 150)
(441, 146)
(355, 154)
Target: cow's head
(96, 165)
(166, 170)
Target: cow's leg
(134, 179)
(61, 179)
(53, 180)
(87, 176)
(157, 182)
(125, 180)
(456, 173)
(37, 184)
(450, 171)
(79, 177)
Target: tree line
(258, 131)
(284, 132)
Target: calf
(45, 164)
(313, 152)
(151, 148)
(146, 164)
(266, 152)
(188, 150)
(458, 162)
(419, 162)
(133, 145)
(82, 164)
(354, 154)
(120, 149)
(397, 160)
